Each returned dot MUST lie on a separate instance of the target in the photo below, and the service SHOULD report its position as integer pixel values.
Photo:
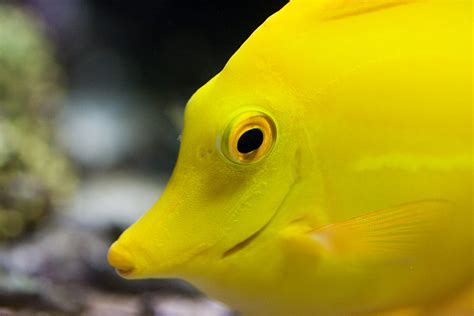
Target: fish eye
(250, 141)
(249, 138)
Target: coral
(35, 175)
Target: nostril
(119, 259)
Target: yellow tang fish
(327, 169)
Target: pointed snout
(121, 260)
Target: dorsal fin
(336, 9)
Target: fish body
(328, 168)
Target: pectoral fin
(403, 232)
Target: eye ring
(249, 137)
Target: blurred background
(91, 101)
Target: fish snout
(121, 260)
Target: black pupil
(250, 141)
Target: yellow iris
(249, 137)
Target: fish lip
(124, 271)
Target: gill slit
(247, 241)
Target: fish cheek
(224, 183)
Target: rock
(179, 306)
(64, 258)
(62, 269)
(101, 304)
(21, 291)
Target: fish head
(235, 167)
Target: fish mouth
(120, 259)
(125, 271)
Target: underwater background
(91, 102)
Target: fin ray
(400, 232)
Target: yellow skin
(360, 198)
